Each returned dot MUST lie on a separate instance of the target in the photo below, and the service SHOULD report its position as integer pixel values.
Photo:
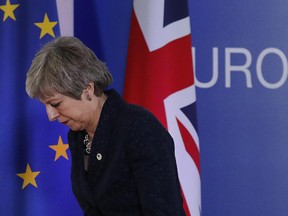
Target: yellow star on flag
(46, 26)
(29, 177)
(9, 10)
(60, 149)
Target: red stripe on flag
(190, 145)
(152, 76)
(185, 206)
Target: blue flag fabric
(34, 156)
(105, 29)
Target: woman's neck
(98, 106)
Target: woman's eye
(55, 105)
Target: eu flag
(34, 156)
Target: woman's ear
(89, 91)
(89, 88)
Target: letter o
(260, 59)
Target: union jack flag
(159, 76)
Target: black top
(132, 168)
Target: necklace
(87, 145)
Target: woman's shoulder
(139, 114)
(142, 119)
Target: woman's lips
(65, 122)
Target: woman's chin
(74, 126)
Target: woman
(122, 158)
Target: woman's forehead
(51, 97)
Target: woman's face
(76, 114)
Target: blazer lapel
(103, 135)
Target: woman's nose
(52, 113)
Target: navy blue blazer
(132, 168)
